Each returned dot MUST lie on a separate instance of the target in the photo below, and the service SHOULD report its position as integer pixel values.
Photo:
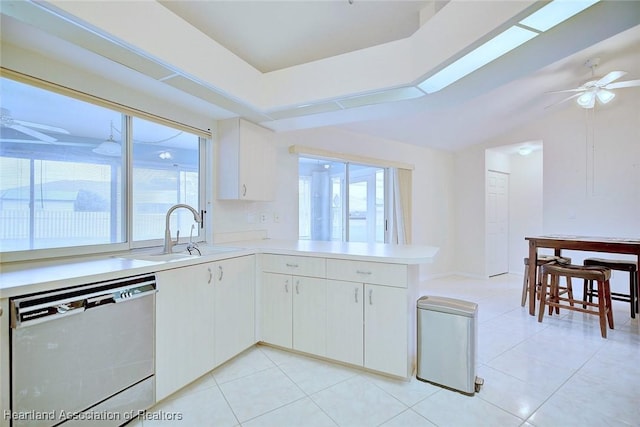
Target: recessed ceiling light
(525, 151)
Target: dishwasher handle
(49, 306)
(22, 317)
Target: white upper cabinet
(246, 161)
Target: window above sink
(79, 175)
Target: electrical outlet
(276, 217)
(263, 217)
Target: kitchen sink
(160, 256)
(178, 256)
(213, 249)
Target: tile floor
(556, 373)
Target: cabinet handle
(363, 272)
(370, 296)
(244, 189)
(286, 286)
(220, 273)
(210, 275)
(356, 295)
(298, 287)
(291, 265)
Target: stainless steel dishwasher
(83, 355)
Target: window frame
(204, 142)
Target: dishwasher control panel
(47, 306)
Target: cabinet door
(277, 302)
(184, 327)
(385, 329)
(309, 315)
(345, 340)
(234, 306)
(246, 161)
(257, 163)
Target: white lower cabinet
(204, 316)
(367, 326)
(277, 315)
(370, 320)
(294, 312)
(234, 302)
(184, 327)
(345, 322)
(309, 315)
(385, 329)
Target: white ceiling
(511, 91)
(271, 35)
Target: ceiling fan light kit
(109, 147)
(604, 96)
(600, 89)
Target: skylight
(494, 48)
(541, 20)
(554, 13)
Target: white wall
(433, 219)
(591, 181)
(469, 189)
(525, 206)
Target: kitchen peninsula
(349, 302)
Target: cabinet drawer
(298, 265)
(378, 273)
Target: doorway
(497, 223)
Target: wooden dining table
(614, 245)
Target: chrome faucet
(168, 243)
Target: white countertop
(396, 254)
(36, 276)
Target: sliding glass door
(341, 201)
(366, 204)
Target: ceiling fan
(600, 89)
(29, 128)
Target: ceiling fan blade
(33, 133)
(578, 89)
(610, 77)
(37, 141)
(41, 126)
(564, 100)
(628, 83)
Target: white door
(497, 223)
(345, 321)
(309, 315)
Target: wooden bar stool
(542, 259)
(621, 265)
(552, 298)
